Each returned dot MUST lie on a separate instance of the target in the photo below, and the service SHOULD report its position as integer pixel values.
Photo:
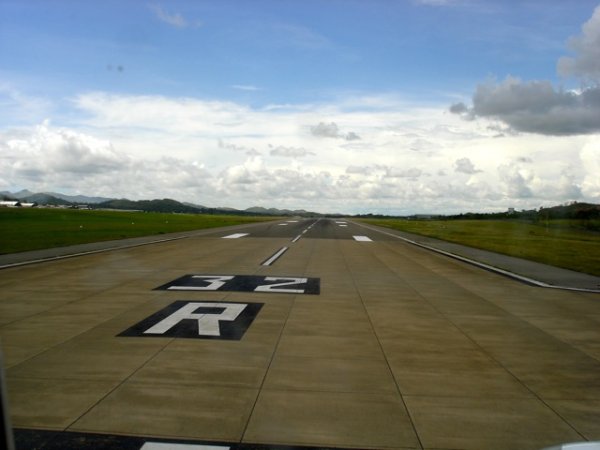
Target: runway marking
(243, 283)
(93, 441)
(343, 225)
(297, 238)
(362, 238)
(282, 224)
(172, 446)
(236, 235)
(278, 287)
(481, 265)
(276, 256)
(292, 221)
(199, 320)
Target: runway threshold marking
(362, 238)
(235, 235)
(276, 256)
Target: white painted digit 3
(214, 283)
(277, 287)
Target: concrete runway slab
(401, 348)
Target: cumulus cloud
(51, 158)
(238, 148)
(516, 180)
(331, 130)
(536, 107)
(586, 47)
(464, 165)
(62, 152)
(325, 130)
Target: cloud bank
(539, 107)
(217, 153)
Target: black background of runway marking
(244, 283)
(188, 328)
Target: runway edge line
(481, 265)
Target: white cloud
(464, 165)
(290, 152)
(331, 130)
(208, 152)
(586, 63)
(173, 19)
(535, 107)
(517, 180)
(245, 87)
(19, 107)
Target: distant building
(511, 210)
(29, 205)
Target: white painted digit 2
(277, 287)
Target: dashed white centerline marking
(362, 238)
(282, 224)
(273, 258)
(236, 235)
(296, 238)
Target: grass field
(34, 229)
(561, 243)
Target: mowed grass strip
(39, 228)
(560, 243)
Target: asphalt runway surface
(293, 334)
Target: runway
(349, 338)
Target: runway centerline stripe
(235, 235)
(296, 238)
(362, 238)
(274, 258)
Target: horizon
(24, 193)
(396, 108)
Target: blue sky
(341, 104)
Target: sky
(342, 106)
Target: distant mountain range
(164, 205)
(45, 198)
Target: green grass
(560, 243)
(39, 228)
